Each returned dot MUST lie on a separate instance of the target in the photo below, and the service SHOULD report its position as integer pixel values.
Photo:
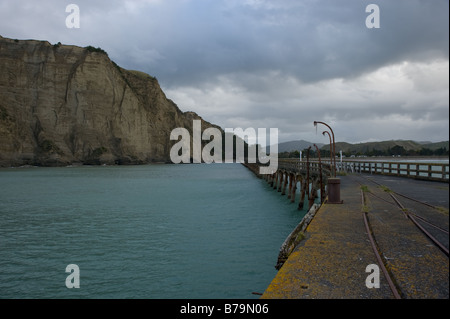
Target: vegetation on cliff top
(90, 48)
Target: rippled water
(153, 231)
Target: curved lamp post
(333, 166)
(334, 184)
(332, 144)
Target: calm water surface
(153, 231)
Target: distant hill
(405, 147)
(435, 146)
(363, 147)
(369, 146)
(385, 145)
(296, 146)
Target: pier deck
(331, 261)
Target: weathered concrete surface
(331, 262)
(433, 193)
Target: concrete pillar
(304, 184)
(283, 191)
(312, 195)
(294, 188)
(290, 186)
(280, 185)
(275, 184)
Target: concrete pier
(332, 260)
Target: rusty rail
(373, 243)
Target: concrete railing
(418, 170)
(295, 165)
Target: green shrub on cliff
(90, 48)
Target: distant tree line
(397, 150)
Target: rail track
(417, 219)
(375, 248)
(421, 222)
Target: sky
(273, 64)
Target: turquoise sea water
(152, 231)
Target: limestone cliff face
(64, 104)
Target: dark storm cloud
(310, 40)
(194, 41)
(267, 63)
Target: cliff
(62, 104)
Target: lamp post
(307, 172)
(332, 144)
(333, 166)
(334, 184)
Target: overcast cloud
(283, 63)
